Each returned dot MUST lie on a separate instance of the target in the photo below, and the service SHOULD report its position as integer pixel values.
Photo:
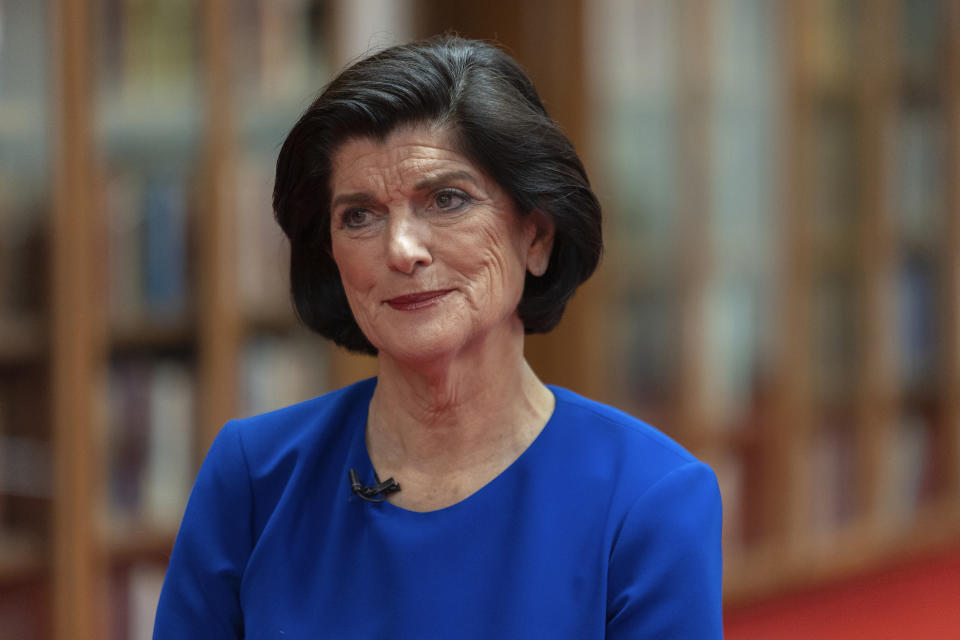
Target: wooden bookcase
(147, 290)
(772, 293)
(835, 435)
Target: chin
(421, 351)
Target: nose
(407, 243)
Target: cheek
(355, 272)
(499, 263)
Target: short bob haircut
(483, 97)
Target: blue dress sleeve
(665, 573)
(201, 590)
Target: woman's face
(431, 251)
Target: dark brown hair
(483, 96)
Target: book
(833, 51)
(164, 247)
(731, 351)
(920, 178)
(922, 39)
(123, 195)
(832, 475)
(918, 327)
(263, 255)
(168, 476)
(835, 342)
(908, 468)
(144, 583)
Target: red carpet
(918, 601)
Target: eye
(451, 199)
(355, 218)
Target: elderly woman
(436, 214)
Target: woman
(435, 215)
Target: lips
(419, 300)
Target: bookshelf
(807, 154)
(780, 289)
(137, 308)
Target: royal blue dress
(602, 528)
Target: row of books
(278, 48)
(150, 449)
(838, 29)
(149, 47)
(150, 431)
(150, 228)
(152, 47)
(744, 237)
(737, 336)
(26, 452)
(834, 466)
(745, 44)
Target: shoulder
(272, 453)
(664, 521)
(605, 438)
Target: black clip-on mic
(373, 493)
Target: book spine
(165, 249)
(169, 463)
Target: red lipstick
(414, 301)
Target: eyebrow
(359, 198)
(366, 198)
(443, 178)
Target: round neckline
(387, 506)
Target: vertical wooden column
(73, 331)
(785, 499)
(695, 255)
(218, 313)
(551, 43)
(876, 403)
(950, 390)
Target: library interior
(780, 290)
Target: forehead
(405, 157)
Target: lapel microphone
(372, 493)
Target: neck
(475, 412)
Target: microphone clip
(372, 493)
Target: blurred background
(780, 291)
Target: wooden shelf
(22, 339)
(271, 320)
(139, 543)
(152, 337)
